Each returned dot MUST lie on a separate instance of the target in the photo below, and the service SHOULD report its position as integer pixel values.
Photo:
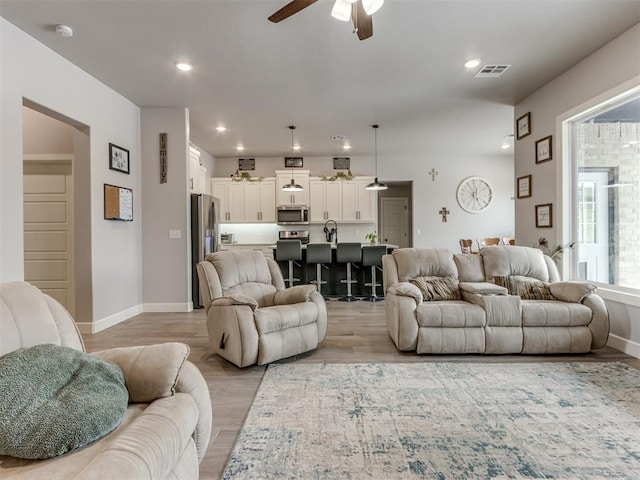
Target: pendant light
(376, 185)
(293, 186)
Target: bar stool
(372, 257)
(289, 250)
(348, 253)
(320, 254)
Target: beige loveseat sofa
(251, 316)
(167, 425)
(506, 299)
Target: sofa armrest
(574, 292)
(237, 299)
(406, 289)
(150, 372)
(483, 288)
(191, 381)
(296, 294)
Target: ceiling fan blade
(289, 9)
(362, 22)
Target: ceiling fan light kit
(372, 6)
(341, 10)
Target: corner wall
(31, 71)
(610, 68)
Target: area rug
(442, 421)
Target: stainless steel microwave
(292, 215)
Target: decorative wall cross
(444, 212)
(433, 174)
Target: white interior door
(593, 225)
(394, 221)
(48, 232)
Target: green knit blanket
(55, 399)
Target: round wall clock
(474, 194)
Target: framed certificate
(524, 186)
(523, 126)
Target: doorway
(394, 214)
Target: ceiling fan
(358, 11)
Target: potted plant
(372, 237)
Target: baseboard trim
(167, 307)
(104, 323)
(624, 345)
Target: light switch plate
(175, 234)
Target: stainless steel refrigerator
(204, 236)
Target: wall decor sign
(163, 158)
(524, 186)
(118, 203)
(523, 126)
(544, 216)
(341, 163)
(246, 164)
(118, 158)
(293, 162)
(543, 149)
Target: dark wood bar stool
(320, 254)
(348, 253)
(289, 251)
(372, 257)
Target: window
(606, 169)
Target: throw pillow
(438, 288)
(526, 288)
(56, 399)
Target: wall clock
(474, 194)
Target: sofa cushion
(56, 399)
(438, 288)
(470, 268)
(422, 262)
(526, 288)
(450, 313)
(541, 313)
(514, 260)
(281, 317)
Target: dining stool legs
(349, 253)
(320, 254)
(372, 257)
(289, 250)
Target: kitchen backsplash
(267, 233)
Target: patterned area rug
(442, 421)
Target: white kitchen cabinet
(231, 195)
(203, 184)
(301, 177)
(325, 200)
(260, 201)
(358, 204)
(194, 169)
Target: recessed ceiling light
(634, 142)
(184, 67)
(346, 146)
(221, 128)
(296, 147)
(240, 148)
(473, 63)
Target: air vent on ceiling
(491, 71)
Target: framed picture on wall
(118, 158)
(544, 216)
(524, 186)
(543, 149)
(523, 126)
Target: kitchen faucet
(332, 233)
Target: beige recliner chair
(166, 429)
(251, 316)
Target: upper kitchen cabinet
(197, 173)
(325, 200)
(231, 195)
(358, 204)
(301, 177)
(260, 201)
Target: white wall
(612, 66)
(166, 267)
(428, 196)
(34, 72)
(45, 135)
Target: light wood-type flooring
(357, 333)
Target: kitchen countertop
(366, 244)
